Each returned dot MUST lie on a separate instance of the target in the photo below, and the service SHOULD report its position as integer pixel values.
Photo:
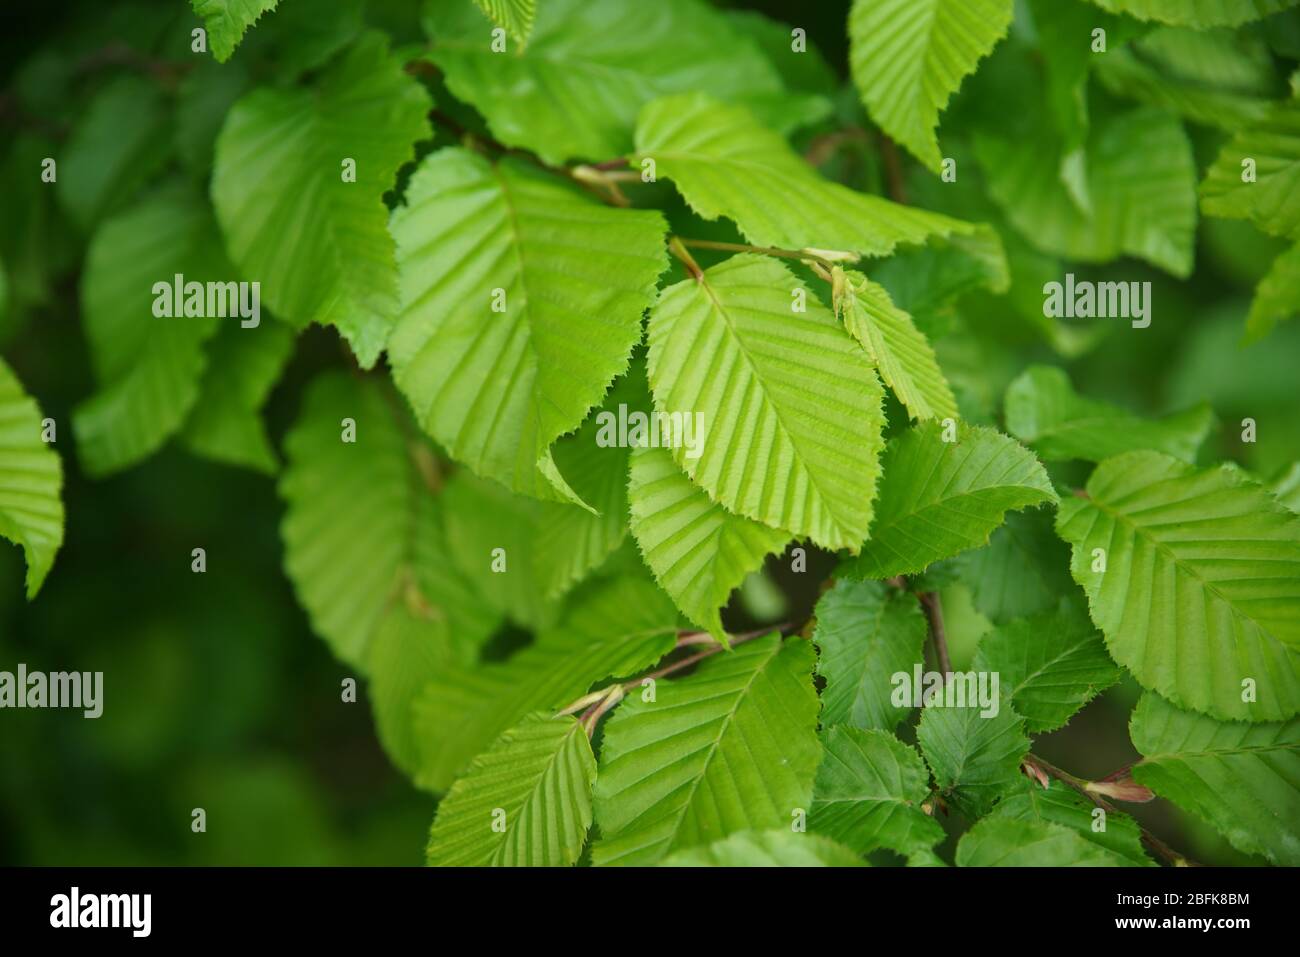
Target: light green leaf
(779, 847)
(31, 482)
(940, 498)
(1201, 582)
(1197, 13)
(1004, 842)
(866, 633)
(1049, 666)
(975, 759)
(119, 144)
(494, 387)
(1286, 486)
(909, 56)
(225, 423)
(1044, 411)
(148, 367)
(1277, 297)
(227, 21)
(698, 550)
(869, 791)
(1270, 198)
(525, 802)
(731, 748)
(896, 347)
(1243, 779)
(516, 16)
(724, 162)
(1023, 570)
(614, 629)
(790, 407)
(1061, 805)
(317, 243)
(575, 91)
(1141, 184)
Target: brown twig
(934, 615)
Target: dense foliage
(711, 436)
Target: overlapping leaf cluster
(598, 211)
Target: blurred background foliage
(217, 695)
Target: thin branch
(1081, 786)
(934, 615)
(824, 257)
(677, 249)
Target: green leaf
(790, 408)
(731, 748)
(698, 550)
(1271, 198)
(615, 629)
(1141, 184)
(1044, 411)
(31, 482)
(779, 847)
(575, 91)
(868, 794)
(148, 367)
(1023, 570)
(516, 16)
(227, 21)
(940, 498)
(1200, 14)
(225, 423)
(119, 144)
(1004, 842)
(1061, 805)
(724, 162)
(975, 759)
(1277, 297)
(494, 387)
(909, 56)
(1286, 486)
(1243, 779)
(318, 244)
(896, 347)
(1049, 666)
(1201, 582)
(866, 633)
(525, 802)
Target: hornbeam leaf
(868, 794)
(909, 56)
(1059, 804)
(775, 848)
(724, 162)
(1194, 578)
(731, 748)
(574, 91)
(1004, 842)
(940, 498)
(1243, 779)
(521, 301)
(1200, 13)
(1049, 666)
(525, 802)
(1023, 570)
(148, 366)
(294, 219)
(31, 482)
(1277, 297)
(1045, 412)
(897, 348)
(698, 550)
(1270, 198)
(791, 409)
(227, 20)
(243, 365)
(1286, 486)
(975, 757)
(613, 629)
(866, 633)
(516, 16)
